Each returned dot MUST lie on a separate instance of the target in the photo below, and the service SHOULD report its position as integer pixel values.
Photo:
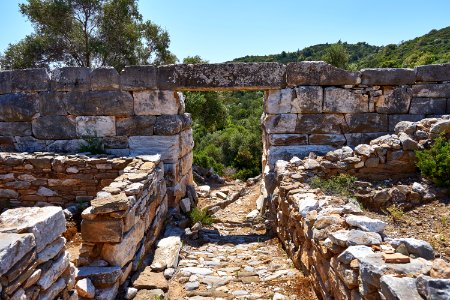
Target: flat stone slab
(167, 253)
(100, 276)
(45, 223)
(13, 247)
(151, 280)
(399, 288)
(414, 246)
(366, 223)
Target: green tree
(87, 33)
(337, 55)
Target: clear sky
(220, 30)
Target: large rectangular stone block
(29, 80)
(54, 127)
(327, 139)
(275, 153)
(387, 76)
(395, 100)
(428, 106)
(366, 122)
(136, 78)
(168, 125)
(432, 73)
(307, 100)
(156, 103)
(186, 142)
(100, 103)
(97, 126)
(394, 119)
(102, 231)
(135, 125)
(45, 223)
(15, 129)
(53, 103)
(282, 123)
(441, 90)
(320, 123)
(18, 107)
(5, 82)
(167, 146)
(226, 76)
(29, 144)
(338, 100)
(280, 139)
(278, 101)
(186, 163)
(71, 78)
(104, 78)
(318, 73)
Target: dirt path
(234, 258)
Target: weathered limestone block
(387, 76)
(186, 120)
(167, 146)
(65, 146)
(54, 127)
(45, 223)
(167, 253)
(327, 139)
(29, 80)
(100, 276)
(278, 139)
(135, 78)
(308, 99)
(366, 122)
(51, 250)
(186, 142)
(399, 288)
(15, 128)
(394, 100)
(441, 90)
(18, 107)
(54, 290)
(52, 103)
(318, 73)
(7, 144)
(115, 142)
(97, 126)
(394, 119)
(135, 125)
(168, 125)
(320, 123)
(432, 73)
(29, 144)
(103, 205)
(13, 247)
(339, 100)
(70, 78)
(85, 288)
(55, 270)
(104, 78)
(186, 163)
(5, 81)
(275, 153)
(226, 76)
(278, 101)
(433, 288)
(282, 123)
(100, 103)
(156, 103)
(119, 254)
(102, 231)
(428, 106)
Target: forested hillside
(227, 129)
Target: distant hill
(431, 48)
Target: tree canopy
(88, 33)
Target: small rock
(414, 246)
(366, 223)
(85, 288)
(190, 286)
(440, 269)
(150, 280)
(185, 205)
(130, 293)
(169, 272)
(203, 190)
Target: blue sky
(220, 30)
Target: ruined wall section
(323, 108)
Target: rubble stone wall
(345, 253)
(38, 179)
(34, 263)
(121, 226)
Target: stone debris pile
(34, 263)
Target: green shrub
(434, 163)
(93, 145)
(336, 185)
(201, 215)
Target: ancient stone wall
(34, 263)
(346, 253)
(36, 179)
(121, 226)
